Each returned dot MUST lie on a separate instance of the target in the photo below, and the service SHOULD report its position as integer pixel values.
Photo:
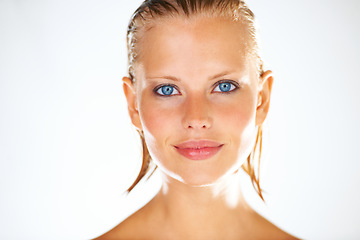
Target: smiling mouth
(198, 150)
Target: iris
(225, 87)
(167, 90)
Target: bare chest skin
(154, 222)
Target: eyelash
(233, 87)
(158, 88)
(234, 84)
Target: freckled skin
(201, 50)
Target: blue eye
(166, 90)
(225, 86)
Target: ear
(130, 94)
(264, 93)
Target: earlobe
(263, 99)
(130, 94)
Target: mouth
(199, 149)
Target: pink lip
(198, 150)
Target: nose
(197, 113)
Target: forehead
(199, 43)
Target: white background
(68, 152)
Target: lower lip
(199, 153)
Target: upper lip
(198, 144)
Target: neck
(210, 205)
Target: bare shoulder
(130, 228)
(270, 230)
(122, 231)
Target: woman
(198, 95)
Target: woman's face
(196, 97)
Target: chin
(200, 173)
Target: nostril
(197, 125)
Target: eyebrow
(218, 75)
(166, 77)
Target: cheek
(237, 119)
(159, 120)
(157, 117)
(238, 113)
(151, 118)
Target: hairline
(155, 20)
